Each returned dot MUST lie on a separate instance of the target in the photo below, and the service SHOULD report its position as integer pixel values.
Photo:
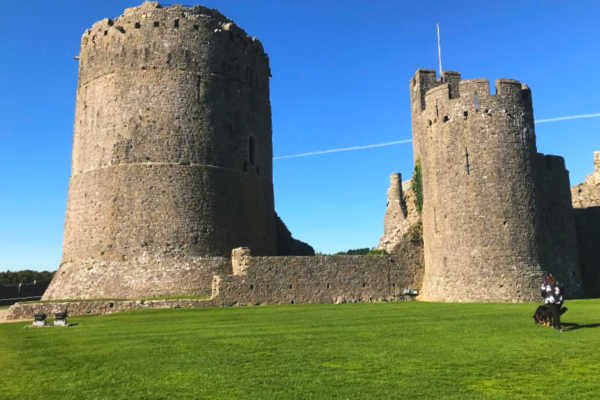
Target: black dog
(543, 315)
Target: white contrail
(541, 121)
(368, 146)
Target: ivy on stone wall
(417, 186)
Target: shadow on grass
(571, 326)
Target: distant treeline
(25, 276)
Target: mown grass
(352, 351)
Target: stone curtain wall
(477, 151)
(255, 281)
(588, 241)
(318, 279)
(557, 237)
(586, 200)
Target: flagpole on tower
(439, 48)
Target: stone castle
(496, 214)
(172, 171)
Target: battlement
(151, 15)
(178, 38)
(472, 88)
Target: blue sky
(340, 79)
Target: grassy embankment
(352, 351)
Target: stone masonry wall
(586, 203)
(172, 149)
(142, 277)
(318, 279)
(557, 239)
(400, 213)
(587, 194)
(477, 151)
(247, 280)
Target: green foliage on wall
(417, 186)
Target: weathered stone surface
(172, 155)
(319, 279)
(586, 200)
(262, 280)
(482, 229)
(400, 213)
(587, 194)
(135, 278)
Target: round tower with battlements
(477, 151)
(172, 153)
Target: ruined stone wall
(586, 203)
(557, 239)
(400, 213)
(477, 151)
(587, 194)
(172, 152)
(318, 279)
(247, 280)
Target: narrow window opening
(251, 149)
(176, 24)
(328, 286)
(110, 22)
(137, 25)
(105, 33)
(196, 27)
(437, 113)
(364, 284)
(429, 122)
(251, 286)
(476, 102)
(446, 118)
(156, 24)
(466, 114)
(467, 166)
(290, 286)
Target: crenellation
(477, 151)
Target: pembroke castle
(171, 189)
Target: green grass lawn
(352, 351)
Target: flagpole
(439, 48)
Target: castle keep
(172, 155)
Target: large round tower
(172, 153)
(477, 152)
